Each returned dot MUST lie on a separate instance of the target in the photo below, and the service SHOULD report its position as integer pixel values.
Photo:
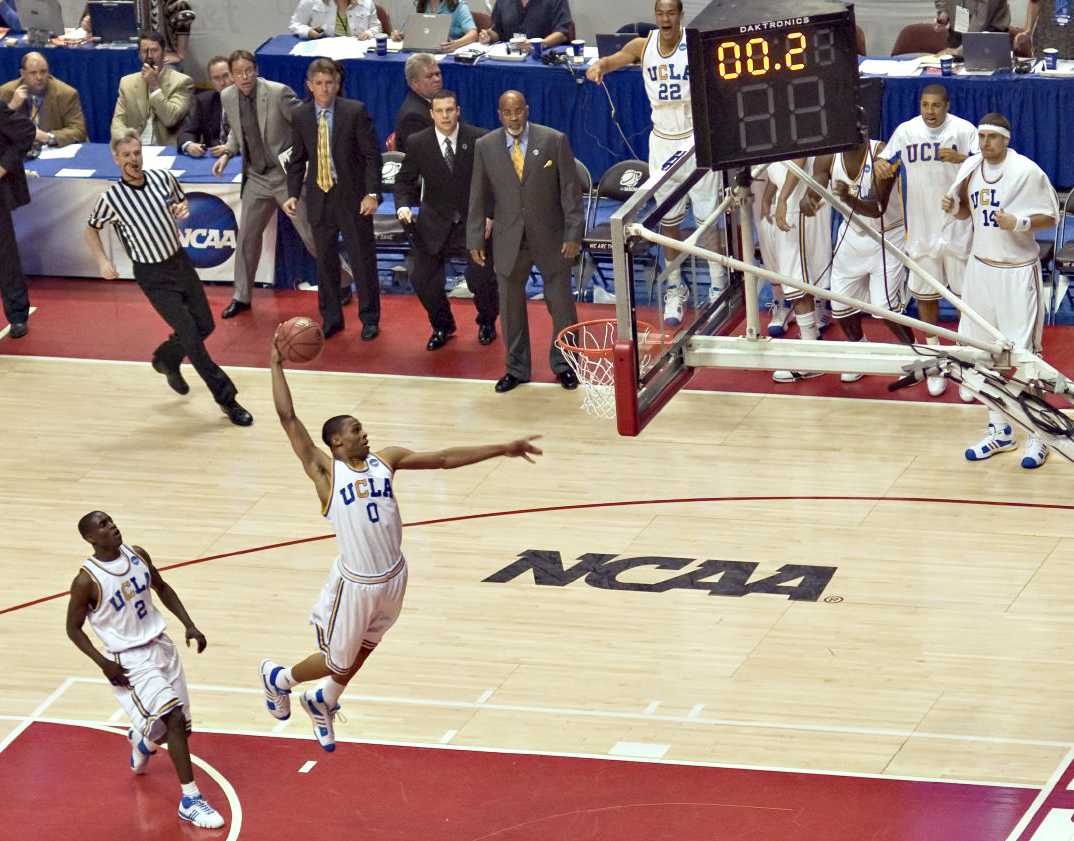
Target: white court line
(117, 715)
(448, 736)
(229, 792)
(484, 696)
(695, 711)
(281, 725)
(308, 766)
(524, 752)
(653, 705)
(1045, 792)
(7, 329)
(44, 705)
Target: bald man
(50, 104)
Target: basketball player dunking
(365, 588)
(666, 71)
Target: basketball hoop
(588, 347)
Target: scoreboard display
(772, 80)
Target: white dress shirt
(317, 14)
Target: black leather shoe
(175, 379)
(18, 329)
(329, 332)
(233, 309)
(346, 294)
(236, 414)
(507, 382)
(568, 379)
(486, 334)
(370, 332)
(438, 339)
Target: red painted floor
(95, 319)
(72, 783)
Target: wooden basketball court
(762, 581)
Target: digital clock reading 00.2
(770, 93)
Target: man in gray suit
(259, 114)
(527, 171)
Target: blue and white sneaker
(781, 315)
(1036, 453)
(278, 701)
(313, 703)
(140, 752)
(995, 441)
(196, 810)
(674, 300)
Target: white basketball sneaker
(936, 385)
(1036, 453)
(674, 300)
(140, 753)
(278, 701)
(824, 316)
(794, 376)
(314, 704)
(850, 378)
(197, 810)
(995, 441)
(965, 395)
(781, 314)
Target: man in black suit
(335, 136)
(17, 134)
(443, 158)
(424, 79)
(205, 127)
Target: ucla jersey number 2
(669, 90)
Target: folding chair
(388, 234)
(920, 38)
(1062, 261)
(618, 184)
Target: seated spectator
(205, 127)
(51, 105)
(155, 100)
(463, 30)
(548, 20)
(317, 18)
(9, 16)
(424, 79)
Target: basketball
(300, 339)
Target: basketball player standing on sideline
(1008, 197)
(666, 72)
(365, 588)
(925, 153)
(112, 590)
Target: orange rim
(601, 352)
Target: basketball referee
(143, 205)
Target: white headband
(997, 129)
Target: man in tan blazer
(154, 100)
(51, 105)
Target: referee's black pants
(175, 291)
(13, 291)
(357, 230)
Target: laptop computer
(426, 33)
(41, 17)
(986, 52)
(611, 44)
(114, 21)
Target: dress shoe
(568, 379)
(234, 308)
(175, 379)
(346, 294)
(486, 334)
(370, 332)
(507, 382)
(236, 414)
(438, 339)
(18, 329)
(329, 332)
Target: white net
(588, 348)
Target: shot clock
(772, 80)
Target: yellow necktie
(35, 113)
(517, 158)
(324, 160)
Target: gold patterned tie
(324, 160)
(517, 158)
(35, 113)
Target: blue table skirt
(93, 71)
(556, 98)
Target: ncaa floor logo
(208, 233)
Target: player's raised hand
(193, 633)
(275, 357)
(116, 674)
(522, 447)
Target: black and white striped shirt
(142, 215)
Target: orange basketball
(300, 339)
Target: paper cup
(382, 44)
(1051, 58)
(536, 43)
(947, 65)
(578, 46)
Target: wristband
(1024, 223)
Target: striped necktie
(324, 160)
(517, 158)
(35, 111)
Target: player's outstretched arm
(315, 461)
(630, 54)
(82, 594)
(400, 458)
(170, 599)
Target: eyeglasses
(518, 112)
(244, 74)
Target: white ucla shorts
(158, 685)
(355, 611)
(949, 270)
(805, 251)
(1010, 298)
(861, 270)
(704, 195)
